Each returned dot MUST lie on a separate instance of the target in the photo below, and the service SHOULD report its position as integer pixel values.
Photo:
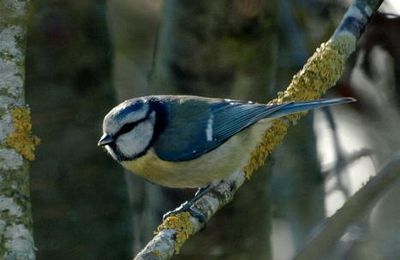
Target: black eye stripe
(128, 127)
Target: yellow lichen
(21, 139)
(345, 43)
(271, 139)
(182, 225)
(156, 253)
(321, 72)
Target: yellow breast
(215, 165)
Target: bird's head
(128, 129)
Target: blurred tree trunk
(16, 240)
(133, 27)
(222, 49)
(78, 192)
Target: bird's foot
(186, 207)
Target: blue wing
(195, 129)
(197, 126)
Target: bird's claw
(186, 207)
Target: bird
(182, 141)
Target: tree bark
(16, 142)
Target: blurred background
(86, 56)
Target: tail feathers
(291, 108)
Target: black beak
(105, 140)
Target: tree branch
(320, 73)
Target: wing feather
(194, 124)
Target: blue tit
(191, 141)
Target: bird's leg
(187, 205)
(200, 193)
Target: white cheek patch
(136, 141)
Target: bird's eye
(127, 127)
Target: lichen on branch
(182, 225)
(21, 139)
(320, 73)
